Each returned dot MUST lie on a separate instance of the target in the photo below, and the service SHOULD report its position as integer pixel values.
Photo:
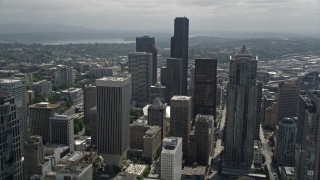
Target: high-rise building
(285, 142)
(113, 114)
(89, 101)
(171, 158)
(159, 91)
(171, 77)
(259, 111)
(100, 72)
(147, 44)
(17, 90)
(205, 88)
(61, 130)
(39, 119)
(10, 141)
(288, 99)
(157, 115)
(64, 76)
(241, 112)
(180, 119)
(175, 64)
(202, 140)
(34, 158)
(179, 48)
(307, 157)
(93, 125)
(43, 87)
(140, 68)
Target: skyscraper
(34, 158)
(89, 101)
(307, 157)
(259, 111)
(61, 130)
(288, 98)
(147, 44)
(10, 142)
(285, 142)
(241, 112)
(39, 119)
(140, 68)
(113, 105)
(17, 90)
(205, 89)
(180, 119)
(175, 65)
(93, 125)
(64, 76)
(201, 142)
(171, 158)
(179, 48)
(157, 116)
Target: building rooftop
(287, 120)
(6, 81)
(125, 176)
(71, 90)
(136, 169)
(153, 130)
(169, 145)
(73, 168)
(197, 171)
(181, 98)
(45, 105)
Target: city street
(267, 152)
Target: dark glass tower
(179, 48)
(147, 44)
(205, 87)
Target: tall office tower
(201, 143)
(171, 76)
(307, 157)
(171, 158)
(39, 119)
(113, 105)
(241, 112)
(61, 130)
(288, 99)
(259, 111)
(166, 78)
(157, 115)
(10, 142)
(147, 44)
(34, 157)
(205, 89)
(285, 142)
(64, 76)
(179, 49)
(140, 68)
(17, 90)
(180, 119)
(159, 91)
(93, 125)
(89, 101)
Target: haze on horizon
(293, 16)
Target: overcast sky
(158, 15)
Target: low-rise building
(286, 172)
(72, 170)
(72, 95)
(193, 173)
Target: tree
(76, 128)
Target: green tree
(76, 128)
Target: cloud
(260, 15)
